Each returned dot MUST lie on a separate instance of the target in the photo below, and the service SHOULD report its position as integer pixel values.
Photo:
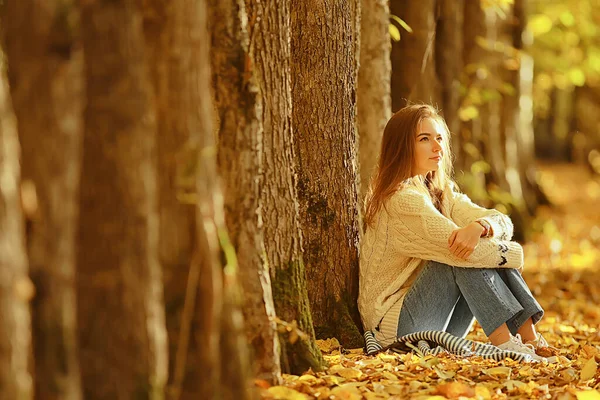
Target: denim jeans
(447, 298)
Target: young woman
(431, 259)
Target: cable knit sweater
(410, 230)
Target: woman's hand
(463, 241)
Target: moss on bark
(291, 304)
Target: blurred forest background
(181, 188)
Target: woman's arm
(464, 211)
(421, 231)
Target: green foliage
(566, 47)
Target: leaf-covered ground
(562, 268)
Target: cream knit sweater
(410, 230)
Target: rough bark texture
(171, 33)
(449, 67)
(270, 52)
(324, 74)
(15, 287)
(413, 57)
(374, 79)
(240, 166)
(45, 71)
(119, 284)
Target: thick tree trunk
(240, 158)
(449, 67)
(413, 57)
(45, 69)
(374, 96)
(15, 287)
(121, 312)
(278, 195)
(324, 74)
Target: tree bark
(207, 270)
(324, 74)
(374, 79)
(449, 67)
(119, 277)
(533, 193)
(15, 287)
(413, 57)
(170, 30)
(45, 70)
(472, 180)
(240, 158)
(278, 195)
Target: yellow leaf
(576, 76)
(539, 24)
(308, 379)
(346, 392)
(283, 392)
(498, 371)
(389, 375)
(468, 113)
(394, 33)
(393, 389)
(349, 373)
(454, 390)
(331, 380)
(444, 374)
(588, 395)
(589, 369)
(482, 393)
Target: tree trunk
(374, 97)
(413, 57)
(278, 195)
(324, 74)
(533, 193)
(121, 312)
(490, 110)
(472, 180)
(206, 270)
(172, 51)
(45, 68)
(449, 67)
(240, 158)
(15, 287)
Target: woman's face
(428, 148)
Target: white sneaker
(515, 344)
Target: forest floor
(562, 267)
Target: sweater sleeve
(464, 211)
(421, 231)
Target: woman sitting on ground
(431, 259)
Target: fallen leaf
(588, 395)
(589, 369)
(498, 371)
(308, 379)
(283, 392)
(349, 373)
(261, 383)
(454, 390)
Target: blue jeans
(447, 298)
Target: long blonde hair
(397, 160)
